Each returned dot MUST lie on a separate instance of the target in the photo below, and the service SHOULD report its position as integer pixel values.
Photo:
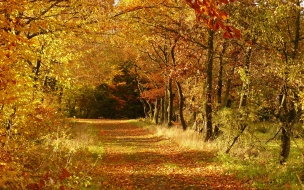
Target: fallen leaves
(136, 159)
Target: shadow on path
(136, 159)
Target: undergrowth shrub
(230, 121)
(39, 151)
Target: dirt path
(136, 159)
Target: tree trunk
(162, 110)
(288, 116)
(170, 103)
(144, 104)
(244, 92)
(242, 129)
(193, 106)
(156, 111)
(193, 120)
(285, 144)
(150, 112)
(208, 103)
(288, 113)
(181, 105)
(143, 101)
(166, 105)
(243, 98)
(227, 103)
(219, 88)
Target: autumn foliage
(215, 18)
(38, 40)
(222, 68)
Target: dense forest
(225, 68)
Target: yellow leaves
(26, 39)
(129, 2)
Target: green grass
(171, 165)
(264, 173)
(96, 150)
(261, 166)
(251, 159)
(141, 123)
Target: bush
(39, 152)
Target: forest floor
(136, 158)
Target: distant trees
(118, 99)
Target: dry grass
(188, 139)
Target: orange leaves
(210, 13)
(64, 174)
(208, 8)
(223, 2)
(223, 15)
(153, 93)
(227, 35)
(42, 182)
(237, 33)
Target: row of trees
(199, 59)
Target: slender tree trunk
(144, 104)
(166, 105)
(288, 116)
(243, 99)
(181, 105)
(193, 119)
(156, 111)
(219, 88)
(143, 101)
(208, 104)
(285, 136)
(193, 108)
(162, 110)
(228, 88)
(242, 129)
(289, 113)
(36, 71)
(60, 97)
(285, 144)
(170, 103)
(150, 112)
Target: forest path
(135, 158)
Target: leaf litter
(135, 158)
